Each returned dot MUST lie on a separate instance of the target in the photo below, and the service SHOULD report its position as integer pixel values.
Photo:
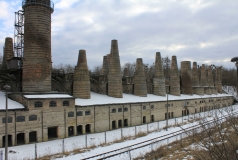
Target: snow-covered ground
(86, 141)
(11, 104)
(130, 98)
(231, 90)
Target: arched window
(71, 114)
(53, 104)
(144, 107)
(20, 118)
(9, 120)
(114, 110)
(79, 113)
(119, 109)
(65, 103)
(125, 109)
(87, 113)
(38, 104)
(32, 117)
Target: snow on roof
(49, 96)
(97, 99)
(11, 104)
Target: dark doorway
(79, 129)
(172, 114)
(152, 118)
(113, 124)
(71, 131)
(120, 123)
(20, 138)
(9, 140)
(52, 132)
(125, 123)
(144, 119)
(88, 128)
(32, 136)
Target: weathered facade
(37, 64)
(114, 74)
(140, 87)
(35, 122)
(159, 80)
(8, 52)
(81, 84)
(186, 78)
(174, 78)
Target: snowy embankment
(32, 151)
(231, 90)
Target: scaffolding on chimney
(19, 34)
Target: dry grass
(140, 134)
(208, 144)
(172, 151)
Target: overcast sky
(205, 31)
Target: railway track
(150, 142)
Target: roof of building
(99, 99)
(48, 96)
(11, 104)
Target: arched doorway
(20, 138)
(32, 137)
(9, 140)
(71, 131)
(52, 132)
(88, 128)
(79, 129)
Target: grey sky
(205, 31)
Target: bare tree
(64, 68)
(216, 139)
(97, 70)
(131, 68)
(228, 76)
(166, 63)
(151, 71)
(69, 68)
